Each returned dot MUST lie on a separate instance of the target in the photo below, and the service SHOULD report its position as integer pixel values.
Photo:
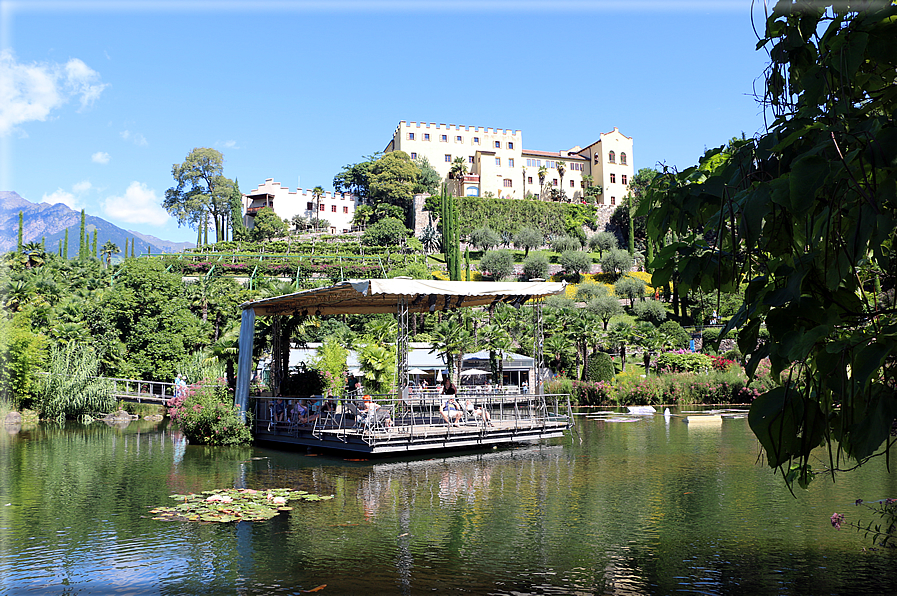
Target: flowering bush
(721, 363)
(207, 416)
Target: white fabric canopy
(383, 295)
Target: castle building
(498, 165)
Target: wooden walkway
(141, 392)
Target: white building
(337, 208)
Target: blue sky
(98, 99)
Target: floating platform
(414, 428)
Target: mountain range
(47, 223)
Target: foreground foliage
(206, 415)
(232, 505)
(806, 216)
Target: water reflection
(654, 506)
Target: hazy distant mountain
(49, 222)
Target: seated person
(329, 406)
(303, 414)
(478, 411)
(372, 412)
(280, 410)
(451, 409)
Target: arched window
(623, 159)
(596, 158)
(611, 157)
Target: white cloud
(62, 196)
(32, 91)
(230, 145)
(82, 187)
(100, 157)
(134, 137)
(139, 204)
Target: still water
(646, 507)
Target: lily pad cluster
(232, 505)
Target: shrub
(558, 301)
(536, 266)
(559, 385)
(683, 362)
(651, 311)
(675, 334)
(528, 238)
(603, 241)
(588, 393)
(586, 292)
(616, 261)
(499, 263)
(565, 243)
(601, 368)
(485, 238)
(605, 308)
(630, 288)
(389, 231)
(576, 261)
(207, 416)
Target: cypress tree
(82, 245)
(94, 250)
(65, 245)
(60, 248)
(21, 229)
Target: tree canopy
(202, 191)
(805, 217)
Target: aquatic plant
(232, 505)
(71, 387)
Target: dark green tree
(268, 225)
(82, 243)
(386, 232)
(498, 263)
(805, 215)
(21, 228)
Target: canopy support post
(244, 361)
(402, 347)
(540, 340)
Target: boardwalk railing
(158, 392)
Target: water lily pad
(232, 505)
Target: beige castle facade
(498, 165)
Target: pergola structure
(400, 296)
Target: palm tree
(317, 192)
(562, 168)
(457, 171)
(109, 249)
(33, 255)
(543, 171)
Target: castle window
(476, 140)
(308, 207)
(333, 208)
(510, 145)
(426, 136)
(444, 138)
(470, 159)
(448, 158)
(623, 159)
(498, 161)
(529, 179)
(498, 144)
(458, 139)
(596, 158)
(613, 200)
(611, 157)
(413, 155)
(508, 183)
(511, 162)
(554, 182)
(345, 209)
(623, 178)
(613, 178)
(410, 136)
(572, 184)
(322, 206)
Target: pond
(645, 507)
